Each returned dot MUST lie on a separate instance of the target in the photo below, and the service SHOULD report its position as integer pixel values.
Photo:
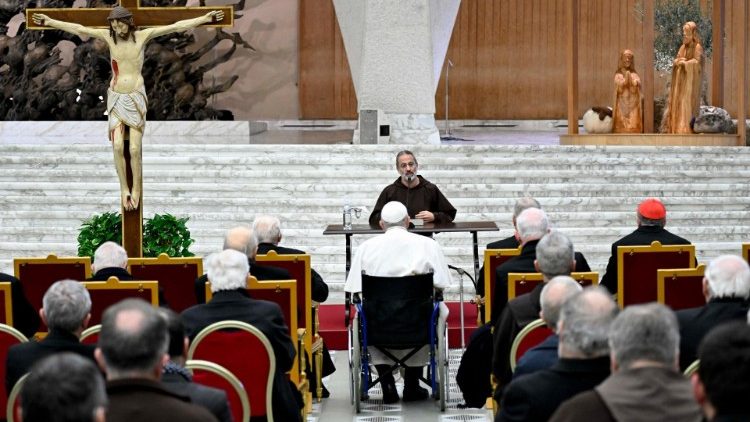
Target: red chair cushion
(36, 279)
(532, 339)
(101, 299)
(211, 379)
(684, 292)
(640, 275)
(175, 280)
(6, 341)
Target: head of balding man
(584, 324)
(242, 239)
(531, 224)
(554, 294)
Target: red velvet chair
(493, 258)
(531, 335)
(91, 334)
(13, 404)
(681, 288)
(522, 283)
(37, 274)
(9, 336)
(637, 269)
(176, 277)
(106, 293)
(245, 341)
(213, 375)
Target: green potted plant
(98, 229)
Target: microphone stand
(448, 136)
(461, 274)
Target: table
(467, 226)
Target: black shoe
(325, 393)
(390, 394)
(415, 393)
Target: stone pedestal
(396, 51)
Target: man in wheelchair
(396, 274)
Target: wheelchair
(401, 313)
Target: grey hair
(554, 294)
(728, 276)
(555, 255)
(227, 270)
(585, 322)
(241, 238)
(650, 222)
(66, 304)
(110, 255)
(532, 224)
(134, 345)
(524, 203)
(267, 229)
(645, 332)
(406, 152)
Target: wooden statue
(627, 114)
(126, 95)
(684, 94)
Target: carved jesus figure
(684, 94)
(627, 117)
(126, 95)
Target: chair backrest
(176, 277)
(637, 269)
(746, 252)
(692, 368)
(13, 405)
(299, 268)
(493, 258)
(37, 274)
(91, 334)
(9, 336)
(681, 288)
(531, 335)
(6, 303)
(397, 309)
(522, 283)
(282, 293)
(106, 293)
(244, 341)
(213, 375)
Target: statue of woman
(627, 114)
(684, 94)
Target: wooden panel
(505, 51)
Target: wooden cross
(132, 221)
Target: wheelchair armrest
(438, 295)
(347, 308)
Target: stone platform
(653, 139)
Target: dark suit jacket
(318, 287)
(22, 357)
(542, 356)
(213, 399)
(695, 323)
(267, 317)
(261, 272)
(25, 317)
(123, 275)
(643, 235)
(141, 399)
(535, 397)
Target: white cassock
(398, 253)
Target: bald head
(584, 324)
(554, 294)
(727, 276)
(242, 239)
(531, 224)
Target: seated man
(422, 199)
(645, 385)
(398, 253)
(554, 294)
(179, 380)
(64, 388)
(722, 383)
(584, 359)
(726, 287)
(242, 239)
(651, 219)
(132, 350)
(227, 271)
(65, 310)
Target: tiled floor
(339, 408)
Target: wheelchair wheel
(350, 352)
(355, 366)
(442, 365)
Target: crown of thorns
(119, 12)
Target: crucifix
(126, 96)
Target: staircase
(590, 193)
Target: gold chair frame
(489, 272)
(515, 278)
(663, 274)
(5, 287)
(94, 329)
(692, 368)
(238, 325)
(517, 341)
(232, 379)
(114, 283)
(10, 407)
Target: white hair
(532, 224)
(728, 276)
(267, 229)
(227, 270)
(109, 255)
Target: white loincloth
(128, 109)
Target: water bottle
(347, 217)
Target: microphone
(460, 270)
(410, 177)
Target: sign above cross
(126, 96)
(143, 16)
